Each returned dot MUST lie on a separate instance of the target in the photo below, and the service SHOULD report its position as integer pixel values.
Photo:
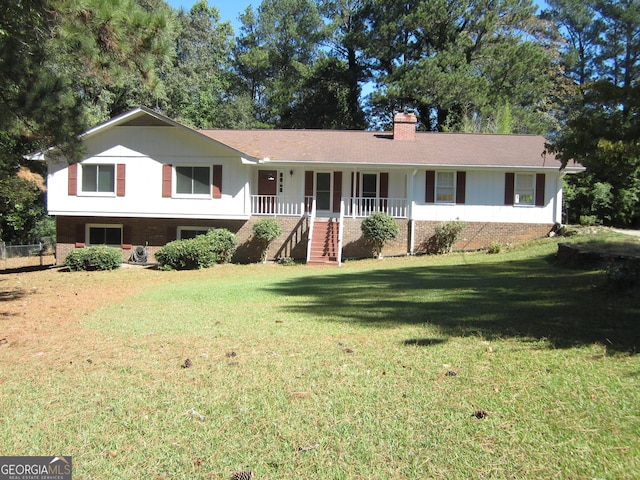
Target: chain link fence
(19, 256)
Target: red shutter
(384, 185)
(120, 179)
(126, 237)
(461, 187)
(80, 235)
(167, 171)
(308, 189)
(355, 177)
(73, 179)
(540, 181)
(172, 234)
(509, 188)
(430, 187)
(337, 191)
(217, 181)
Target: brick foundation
(154, 233)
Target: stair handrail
(340, 230)
(312, 218)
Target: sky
(229, 9)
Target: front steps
(325, 243)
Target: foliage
(447, 60)
(494, 248)
(203, 251)
(266, 230)
(223, 242)
(379, 227)
(98, 257)
(601, 121)
(447, 234)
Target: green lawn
(348, 373)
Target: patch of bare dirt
(41, 311)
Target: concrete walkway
(635, 233)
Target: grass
(345, 373)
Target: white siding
(144, 150)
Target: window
(98, 178)
(445, 187)
(193, 180)
(105, 234)
(190, 232)
(524, 189)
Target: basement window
(105, 235)
(190, 232)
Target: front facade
(146, 180)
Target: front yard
(459, 366)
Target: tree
(379, 228)
(112, 52)
(345, 28)
(276, 49)
(451, 59)
(202, 91)
(602, 123)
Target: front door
(267, 190)
(323, 192)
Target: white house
(146, 180)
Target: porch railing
(275, 205)
(365, 206)
(354, 207)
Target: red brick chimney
(404, 126)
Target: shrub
(588, 220)
(223, 242)
(494, 248)
(446, 235)
(266, 230)
(99, 257)
(216, 246)
(379, 227)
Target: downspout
(340, 231)
(410, 205)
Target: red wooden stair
(324, 243)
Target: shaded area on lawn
(533, 298)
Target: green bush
(379, 227)
(494, 248)
(223, 242)
(266, 230)
(447, 234)
(216, 246)
(99, 257)
(588, 220)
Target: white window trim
(516, 195)
(83, 193)
(191, 229)
(199, 196)
(437, 186)
(89, 226)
